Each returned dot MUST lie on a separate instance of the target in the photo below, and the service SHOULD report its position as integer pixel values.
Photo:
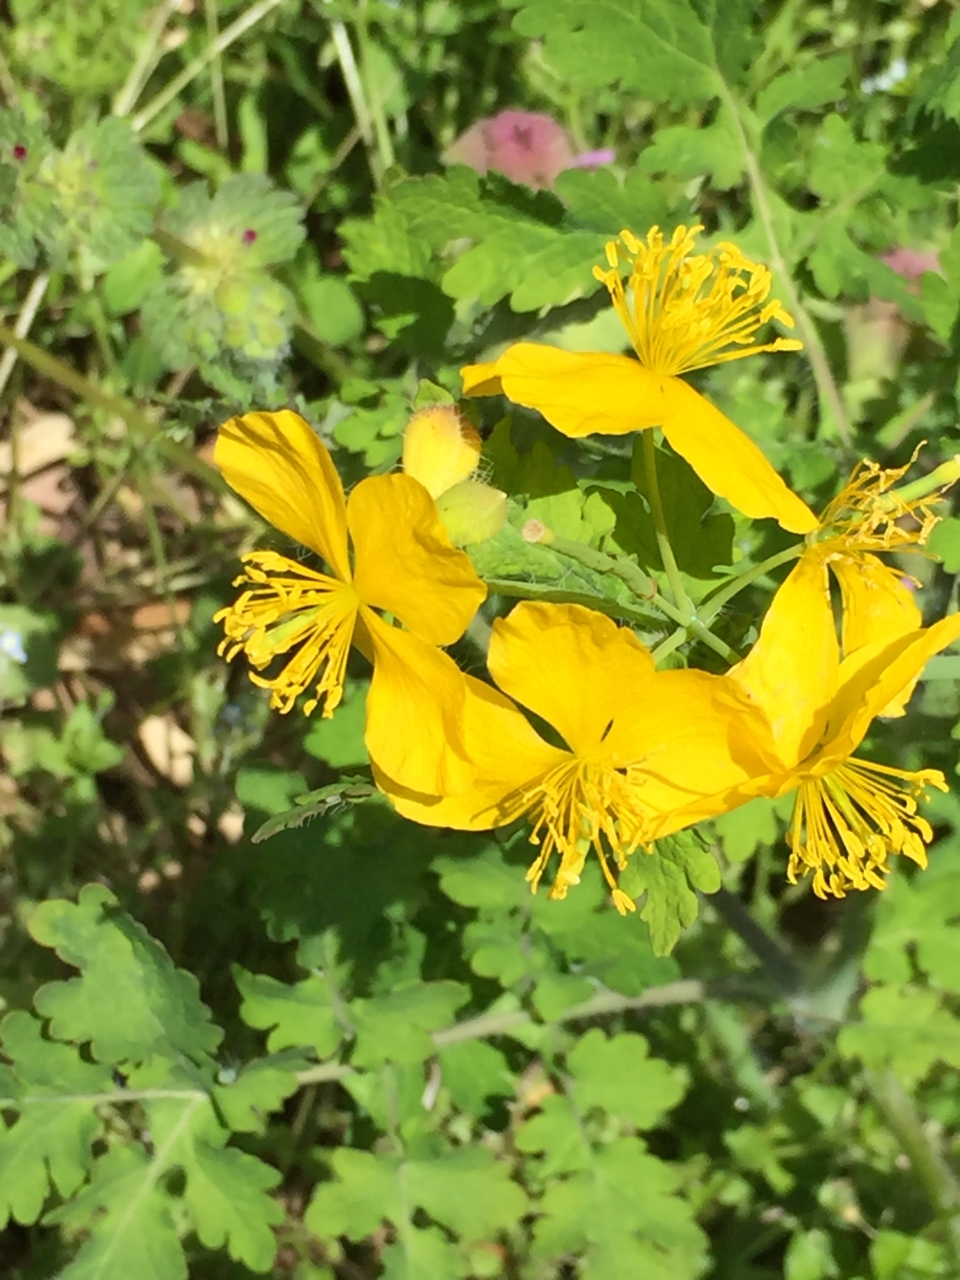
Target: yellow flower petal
(509, 755)
(698, 737)
(791, 672)
(877, 605)
(876, 675)
(481, 379)
(572, 667)
(586, 393)
(440, 448)
(729, 463)
(277, 463)
(415, 706)
(404, 562)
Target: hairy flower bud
(472, 512)
(440, 448)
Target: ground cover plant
(451, 450)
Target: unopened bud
(472, 512)
(440, 448)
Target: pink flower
(526, 146)
(911, 263)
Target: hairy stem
(249, 18)
(674, 577)
(643, 587)
(903, 1120)
(827, 389)
(140, 423)
(713, 604)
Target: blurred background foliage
(358, 1048)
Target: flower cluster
(577, 730)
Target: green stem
(941, 477)
(904, 1121)
(374, 96)
(502, 1022)
(533, 591)
(139, 422)
(643, 587)
(249, 18)
(674, 577)
(216, 78)
(146, 59)
(827, 389)
(713, 604)
(673, 642)
(357, 95)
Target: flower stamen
(847, 823)
(868, 515)
(688, 310)
(290, 607)
(579, 806)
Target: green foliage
(252, 1021)
(221, 301)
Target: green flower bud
(472, 512)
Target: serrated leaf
(661, 49)
(297, 1015)
(261, 1087)
(618, 1075)
(508, 241)
(840, 164)
(128, 1221)
(317, 804)
(395, 1027)
(917, 918)
(596, 1215)
(51, 1140)
(599, 200)
(106, 192)
(714, 150)
(669, 876)
(905, 1030)
(130, 1002)
(474, 1071)
(468, 1191)
(746, 828)
(801, 88)
(226, 1195)
(226, 1190)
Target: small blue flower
(11, 645)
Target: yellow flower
(688, 311)
(637, 742)
(402, 563)
(865, 518)
(850, 814)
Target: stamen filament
(578, 806)
(847, 823)
(690, 310)
(290, 607)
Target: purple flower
(526, 146)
